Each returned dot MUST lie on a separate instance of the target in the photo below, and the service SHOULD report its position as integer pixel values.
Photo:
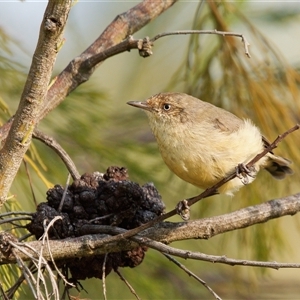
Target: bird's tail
(278, 166)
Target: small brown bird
(202, 143)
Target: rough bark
(94, 238)
(34, 93)
(37, 100)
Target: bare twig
(41, 258)
(61, 204)
(30, 183)
(119, 30)
(223, 33)
(103, 276)
(206, 228)
(128, 284)
(21, 247)
(42, 262)
(54, 145)
(190, 273)
(2, 293)
(187, 254)
(11, 291)
(39, 262)
(25, 237)
(101, 218)
(165, 232)
(27, 274)
(9, 213)
(10, 220)
(46, 236)
(145, 46)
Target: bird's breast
(202, 155)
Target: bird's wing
(226, 121)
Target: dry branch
(35, 90)
(37, 99)
(53, 144)
(119, 30)
(93, 242)
(193, 275)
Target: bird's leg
(183, 209)
(242, 172)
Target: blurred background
(96, 127)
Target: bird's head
(167, 107)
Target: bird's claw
(183, 209)
(243, 172)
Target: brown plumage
(202, 143)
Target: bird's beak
(139, 104)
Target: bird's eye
(167, 106)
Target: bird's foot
(243, 173)
(183, 209)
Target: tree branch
(38, 99)
(19, 138)
(121, 28)
(94, 243)
(54, 145)
(145, 46)
(193, 275)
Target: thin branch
(12, 290)
(93, 243)
(127, 284)
(10, 220)
(187, 254)
(22, 253)
(119, 30)
(223, 33)
(39, 261)
(103, 277)
(145, 46)
(27, 274)
(54, 145)
(30, 183)
(205, 228)
(9, 213)
(190, 273)
(2, 293)
(61, 204)
(168, 232)
(45, 237)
